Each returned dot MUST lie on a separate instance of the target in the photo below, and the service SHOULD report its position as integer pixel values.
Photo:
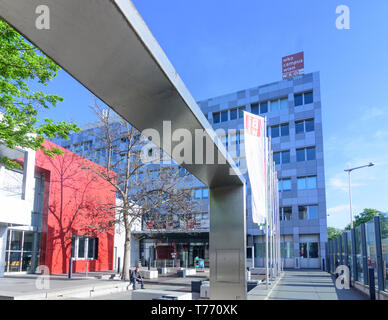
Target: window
(263, 107)
(313, 250)
(307, 183)
(275, 132)
(284, 185)
(308, 212)
(216, 117)
(305, 154)
(233, 114)
(298, 99)
(285, 131)
(255, 108)
(303, 98)
(309, 124)
(276, 157)
(286, 214)
(281, 157)
(303, 249)
(299, 127)
(308, 97)
(308, 250)
(279, 130)
(274, 105)
(84, 247)
(300, 155)
(224, 116)
(284, 104)
(310, 153)
(285, 157)
(304, 126)
(202, 193)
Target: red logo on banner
(253, 125)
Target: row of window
(263, 107)
(309, 212)
(304, 183)
(302, 154)
(201, 193)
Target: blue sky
(221, 46)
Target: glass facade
(360, 267)
(384, 247)
(22, 251)
(174, 252)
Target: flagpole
(266, 199)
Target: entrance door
(309, 255)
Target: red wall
(75, 203)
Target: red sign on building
(293, 65)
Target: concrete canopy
(107, 47)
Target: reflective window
(298, 99)
(275, 132)
(233, 114)
(285, 213)
(301, 183)
(309, 125)
(255, 108)
(285, 157)
(286, 184)
(81, 247)
(310, 153)
(224, 116)
(300, 155)
(313, 250)
(205, 193)
(299, 127)
(308, 97)
(283, 103)
(216, 117)
(276, 157)
(274, 105)
(197, 194)
(311, 182)
(303, 249)
(263, 107)
(285, 131)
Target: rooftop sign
(293, 65)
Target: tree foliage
(333, 232)
(20, 65)
(365, 216)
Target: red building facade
(77, 214)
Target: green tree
(365, 216)
(20, 65)
(333, 232)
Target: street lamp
(350, 191)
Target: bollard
(372, 290)
(118, 265)
(70, 267)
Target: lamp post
(349, 171)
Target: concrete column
(3, 243)
(227, 243)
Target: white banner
(254, 128)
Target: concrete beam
(107, 47)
